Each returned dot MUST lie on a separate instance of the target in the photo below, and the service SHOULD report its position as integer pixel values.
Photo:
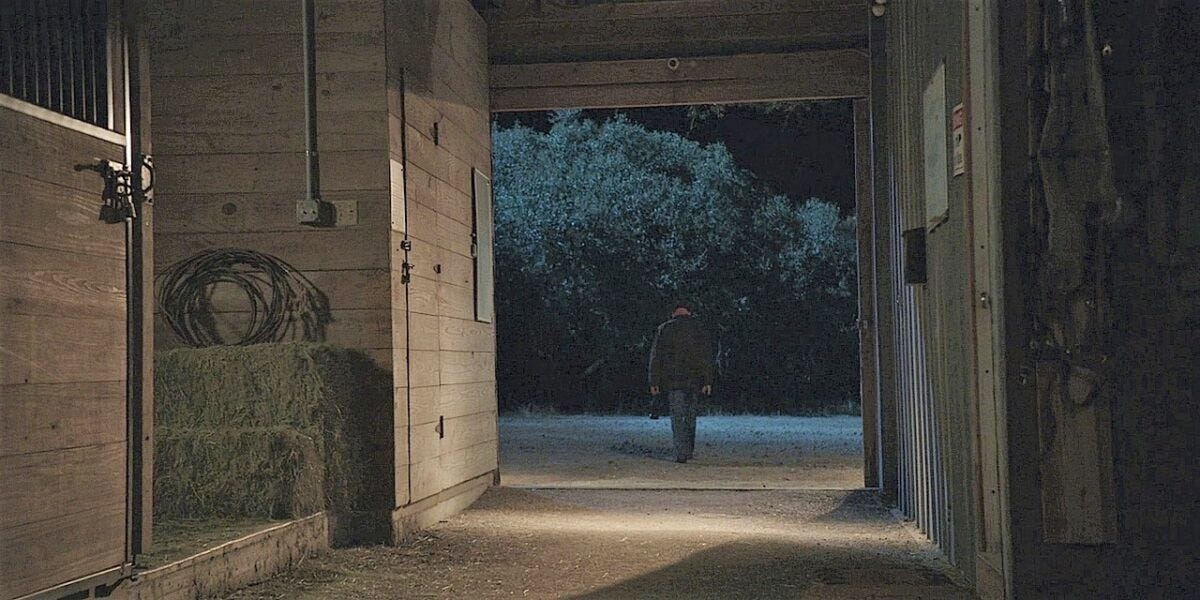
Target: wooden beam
(708, 80)
(546, 32)
(867, 332)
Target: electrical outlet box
(346, 212)
(307, 212)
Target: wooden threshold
(235, 564)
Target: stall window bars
(54, 53)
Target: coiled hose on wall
(283, 303)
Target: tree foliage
(601, 227)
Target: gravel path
(732, 452)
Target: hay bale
(262, 385)
(260, 473)
(252, 430)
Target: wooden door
(64, 475)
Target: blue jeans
(684, 405)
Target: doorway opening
(605, 219)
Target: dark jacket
(681, 357)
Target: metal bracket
(119, 199)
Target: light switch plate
(347, 212)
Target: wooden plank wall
(440, 130)
(228, 121)
(63, 373)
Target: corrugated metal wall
(931, 334)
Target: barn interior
(1027, 246)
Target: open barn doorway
(606, 220)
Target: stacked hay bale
(265, 431)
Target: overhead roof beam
(822, 74)
(548, 31)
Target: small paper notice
(958, 122)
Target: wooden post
(141, 286)
(885, 328)
(868, 364)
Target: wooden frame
(61, 120)
(140, 274)
(993, 560)
(868, 334)
(538, 31)
(823, 74)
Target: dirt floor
(581, 541)
(732, 452)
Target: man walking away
(681, 364)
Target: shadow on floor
(766, 570)
(856, 507)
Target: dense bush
(600, 227)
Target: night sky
(804, 152)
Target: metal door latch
(119, 199)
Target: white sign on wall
(936, 165)
(958, 123)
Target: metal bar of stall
(91, 63)
(18, 46)
(100, 75)
(6, 58)
(86, 49)
(69, 45)
(56, 26)
(41, 16)
(30, 63)
(79, 67)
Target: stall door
(63, 448)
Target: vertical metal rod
(56, 29)
(68, 25)
(99, 74)
(6, 57)
(103, 66)
(18, 45)
(310, 101)
(10, 45)
(31, 56)
(43, 20)
(89, 61)
(77, 8)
